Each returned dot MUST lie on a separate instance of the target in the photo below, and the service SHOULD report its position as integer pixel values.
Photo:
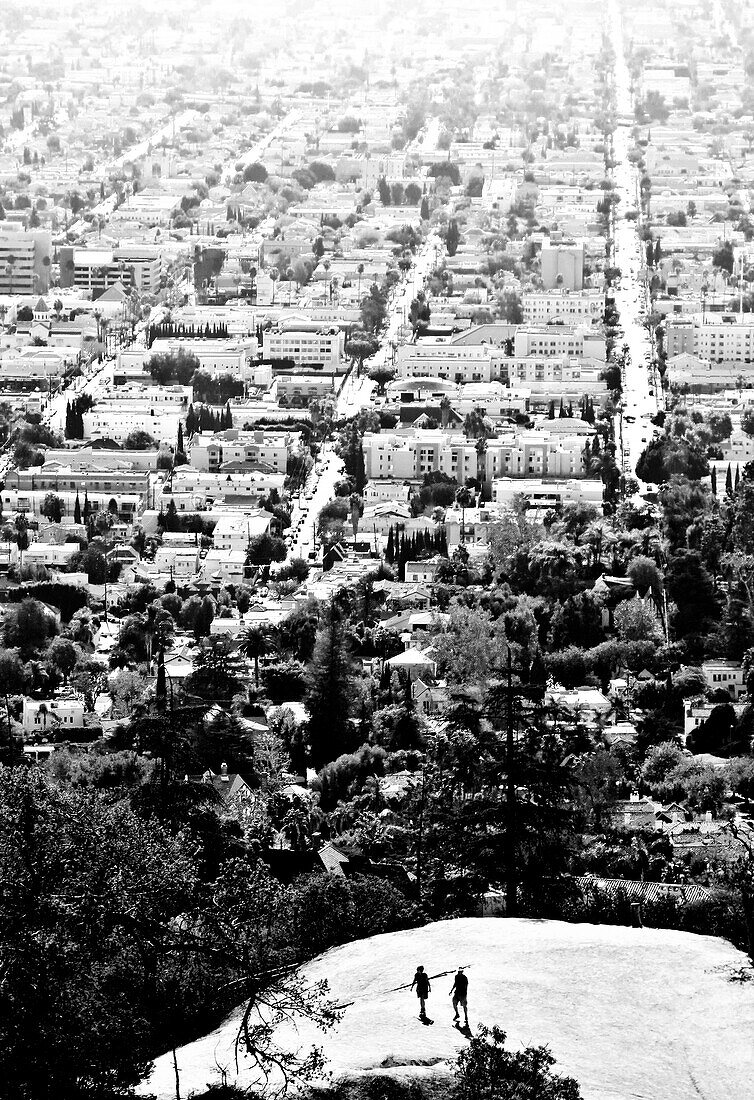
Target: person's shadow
(464, 1029)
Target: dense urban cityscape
(377, 550)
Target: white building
(236, 448)
(553, 449)
(726, 675)
(540, 306)
(545, 494)
(42, 716)
(315, 347)
(24, 260)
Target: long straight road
(631, 295)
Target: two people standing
(459, 993)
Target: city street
(641, 398)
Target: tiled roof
(645, 891)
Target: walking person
(459, 994)
(421, 981)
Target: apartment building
(719, 338)
(24, 260)
(194, 490)
(562, 265)
(97, 269)
(298, 389)
(441, 358)
(315, 347)
(235, 449)
(116, 420)
(540, 306)
(33, 366)
(25, 490)
(409, 454)
(558, 340)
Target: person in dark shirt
(459, 993)
(421, 981)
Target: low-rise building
(235, 449)
(726, 675)
(45, 716)
(307, 345)
(545, 494)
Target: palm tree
(255, 643)
(360, 271)
(464, 498)
(10, 263)
(274, 275)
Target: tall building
(97, 269)
(563, 266)
(24, 261)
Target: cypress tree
(728, 482)
(179, 441)
(330, 688)
(737, 482)
(713, 479)
(390, 548)
(77, 509)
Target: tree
(723, 257)
(264, 549)
(64, 655)
(52, 508)
(330, 682)
(218, 674)
(464, 499)
(173, 367)
(691, 589)
(255, 643)
(255, 173)
(360, 346)
(452, 237)
(636, 620)
(139, 441)
(28, 626)
(90, 892)
(487, 1071)
(382, 375)
(14, 679)
(662, 458)
(465, 651)
(127, 687)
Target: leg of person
(455, 1008)
(422, 1009)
